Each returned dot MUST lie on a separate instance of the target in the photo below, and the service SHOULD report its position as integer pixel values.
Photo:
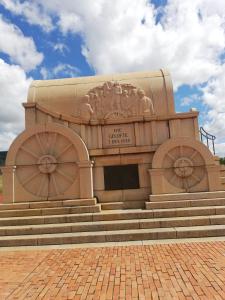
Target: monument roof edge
(98, 78)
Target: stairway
(81, 221)
(123, 204)
(222, 176)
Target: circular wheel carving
(46, 164)
(184, 167)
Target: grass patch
(1, 184)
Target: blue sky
(53, 39)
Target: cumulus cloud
(220, 149)
(192, 99)
(20, 49)
(33, 13)
(60, 47)
(66, 69)
(214, 98)
(60, 70)
(123, 36)
(187, 37)
(13, 87)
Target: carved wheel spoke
(29, 152)
(30, 178)
(193, 154)
(42, 186)
(52, 174)
(40, 144)
(171, 156)
(185, 173)
(64, 150)
(53, 142)
(68, 178)
(197, 178)
(55, 184)
(173, 177)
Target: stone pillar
(196, 128)
(30, 114)
(154, 133)
(213, 172)
(156, 178)
(86, 179)
(8, 173)
(175, 128)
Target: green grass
(222, 160)
(1, 184)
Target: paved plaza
(158, 271)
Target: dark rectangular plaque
(121, 177)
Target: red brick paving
(173, 271)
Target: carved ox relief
(113, 100)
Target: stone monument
(114, 137)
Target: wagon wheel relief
(46, 164)
(184, 167)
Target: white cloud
(188, 38)
(214, 98)
(192, 99)
(220, 149)
(60, 47)
(44, 73)
(66, 69)
(13, 87)
(21, 49)
(60, 70)
(70, 22)
(33, 13)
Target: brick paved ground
(172, 271)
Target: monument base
(80, 221)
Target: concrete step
(123, 205)
(46, 219)
(49, 211)
(113, 236)
(111, 199)
(188, 211)
(222, 171)
(48, 204)
(187, 196)
(185, 203)
(77, 217)
(88, 217)
(111, 225)
(113, 215)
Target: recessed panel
(121, 177)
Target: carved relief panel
(113, 100)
